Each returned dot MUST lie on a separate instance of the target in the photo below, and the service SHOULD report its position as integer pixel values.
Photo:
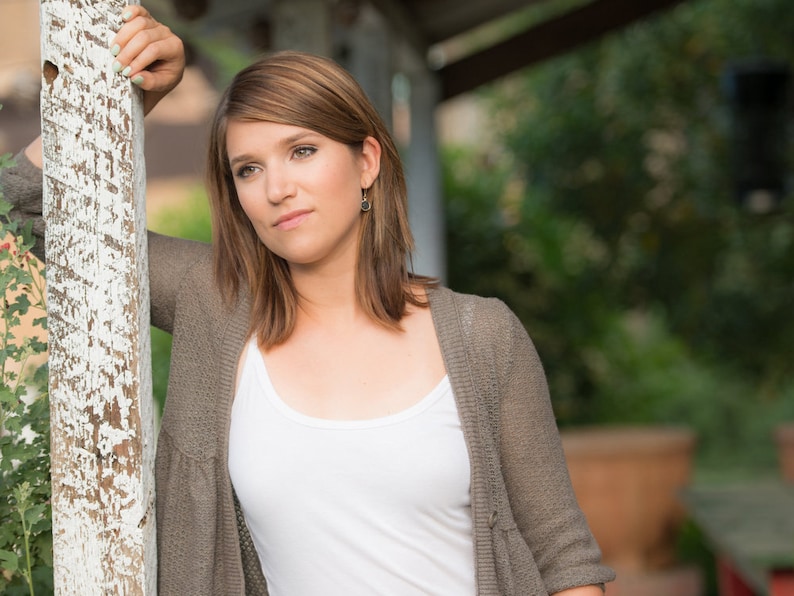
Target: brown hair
(315, 93)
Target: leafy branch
(25, 512)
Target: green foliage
(607, 221)
(25, 529)
(189, 218)
(631, 136)
(25, 512)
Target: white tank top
(349, 508)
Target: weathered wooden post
(100, 378)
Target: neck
(326, 296)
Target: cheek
(248, 203)
(253, 211)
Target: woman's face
(301, 190)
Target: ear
(370, 161)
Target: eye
(304, 151)
(245, 171)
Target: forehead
(264, 132)
(253, 139)
(249, 137)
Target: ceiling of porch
(537, 29)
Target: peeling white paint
(100, 362)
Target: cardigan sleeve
(536, 475)
(170, 261)
(169, 258)
(22, 187)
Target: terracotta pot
(784, 437)
(627, 481)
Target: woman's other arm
(536, 476)
(156, 58)
(155, 55)
(152, 52)
(33, 152)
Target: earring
(365, 204)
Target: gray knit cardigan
(530, 537)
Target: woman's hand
(149, 54)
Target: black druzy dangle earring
(365, 204)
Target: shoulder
(482, 332)
(485, 329)
(475, 314)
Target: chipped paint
(100, 362)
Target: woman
(335, 424)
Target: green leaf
(34, 513)
(20, 305)
(9, 561)
(7, 396)
(44, 546)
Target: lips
(291, 220)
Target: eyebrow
(239, 158)
(285, 142)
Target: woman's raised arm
(149, 54)
(145, 51)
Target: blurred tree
(612, 193)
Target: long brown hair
(312, 92)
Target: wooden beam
(98, 298)
(405, 24)
(549, 39)
(444, 19)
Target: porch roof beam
(546, 40)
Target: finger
(130, 24)
(155, 49)
(135, 34)
(158, 68)
(144, 79)
(149, 46)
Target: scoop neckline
(427, 401)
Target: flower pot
(627, 481)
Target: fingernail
(116, 66)
(137, 80)
(126, 16)
(115, 49)
(126, 72)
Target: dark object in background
(758, 91)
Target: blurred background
(620, 175)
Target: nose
(278, 185)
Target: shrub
(25, 514)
